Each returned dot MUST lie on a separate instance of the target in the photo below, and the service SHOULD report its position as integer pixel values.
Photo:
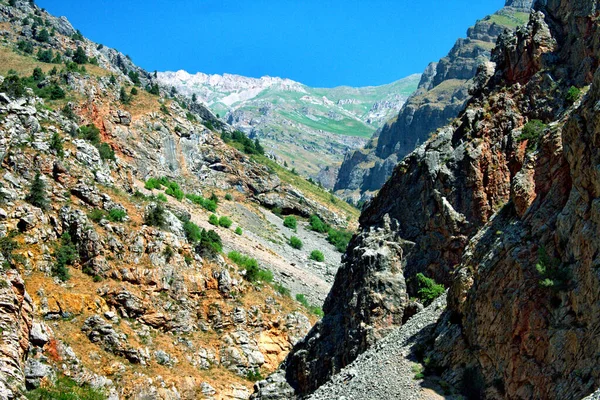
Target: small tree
(156, 216)
(79, 56)
(37, 192)
(194, 98)
(124, 97)
(429, 289)
(42, 36)
(56, 144)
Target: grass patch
(313, 309)
(66, 389)
(253, 272)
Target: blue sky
(322, 43)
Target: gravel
(385, 371)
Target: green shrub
(213, 220)
(79, 57)
(25, 47)
(317, 225)
(45, 56)
(290, 222)
(162, 198)
(208, 205)
(65, 254)
(239, 231)
(225, 222)
(254, 375)
(317, 256)
(339, 238)
(42, 36)
(106, 152)
(250, 265)
(13, 87)
(282, 290)
(65, 388)
(175, 192)
(68, 113)
(91, 133)
(156, 216)
(56, 144)
(193, 233)
(117, 215)
(79, 36)
(428, 290)
(532, 131)
(248, 145)
(37, 193)
(573, 94)
(123, 96)
(313, 309)
(552, 274)
(8, 245)
(96, 215)
(152, 183)
(210, 243)
(295, 242)
(228, 197)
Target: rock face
(442, 94)
(505, 218)
(15, 325)
(376, 264)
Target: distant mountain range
(309, 128)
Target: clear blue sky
(321, 43)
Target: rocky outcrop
(16, 320)
(442, 94)
(376, 264)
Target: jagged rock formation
(442, 94)
(308, 128)
(505, 215)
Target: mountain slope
(506, 219)
(309, 128)
(442, 93)
(117, 281)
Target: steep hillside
(506, 219)
(144, 248)
(442, 93)
(308, 128)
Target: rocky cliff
(499, 206)
(442, 93)
(116, 280)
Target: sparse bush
(8, 245)
(250, 265)
(156, 216)
(428, 290)
(37, 192)
(554, 276)
(573, 94)
(317, 225)
(65, 388)
(208, 205)
(228, 197)
(96, 215)
(225, 222)
(282, 290)
(45, 56)
(152, 183)
(532, 131)
(42, 36)
(68, 113)
(304, 301)
(290, 222)
(213, 220)
(79, 57)
(193, 233)
(117, 215)
(90, 133)
(317, 256)
(56, 144)
(295, 242)
(339, 238)
(25, 47)
(254, 375)
(239, 231)
(78, 36)
(13, 87)
(124, 97)
(106, 152)
(210, 243)
(65, 254)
